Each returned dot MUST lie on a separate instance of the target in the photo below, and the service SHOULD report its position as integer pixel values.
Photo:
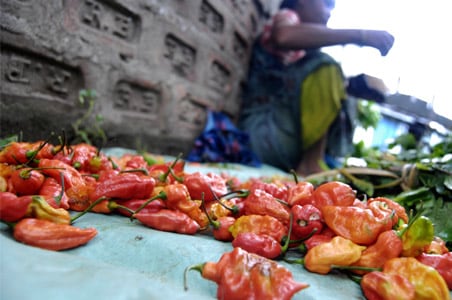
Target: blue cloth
(221, 141)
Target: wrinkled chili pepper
(211, 184)
(428, 282)
(278, 191)
(134, 204)
(388, 245)
(27, 181)
(259, 202)
(306, 219)
(18, 152)
(419, 235)
(243, 275)
(263, 244)
(377, 285)
(52, 236)
(124, 186)
(260, 244)
(337, 252)
(168, 220)
(437, 246)
(441, 263)
(54, 167)
(54, 193)
(177, 197)
(300, 194)
(400, 211)
(40, 209)
(355, 223)
(13, 208)
(220, 226)
(266, 225)
(333, 193)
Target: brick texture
(156, 67)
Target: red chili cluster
(40, 183)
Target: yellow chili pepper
(338, 252)
(427, 281)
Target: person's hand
(379, 39)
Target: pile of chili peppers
(392, 253)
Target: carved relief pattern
(219, 76)
(181, 56)
(108, 19)
(29, 73)
(239, 46)
(136, 98)
(191, 112)
(211, 18)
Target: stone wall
(156, 67)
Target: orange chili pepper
(337, 252)
(259, 202)
(241, 275)
(354, 223)
(259, 224)
(382, 286)
(428, 282)
(52, 236)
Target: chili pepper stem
(215, 224)
(164, 176)
(287, 241)
(161, 195)
(294, 261)
(370, 269)
(198, 267)
(10, 224)
(87, 209)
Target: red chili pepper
(241, 275)
(54, 194)
(276, 190)
(54, 168)
(437, 246)
(52, 236)
(441, 262)
(315, 240)
(124, 186)
(307, 219)
(399, 210)
(134, 204)
(333, 193)
(17, 153)
(168, 220)
(260, 244)
(259, 202)
(177, 197)
(383, 286)
(264, 225)
(211, 185)
(13, 208)
(221, 228)
(27, 181)
(300, 194)
(388, 245)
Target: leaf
(440, 214)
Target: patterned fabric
(282, 17)
(221, 141)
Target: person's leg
(322, 93)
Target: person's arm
(312, 36)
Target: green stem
(369, 269)
(142, 170)
(161, 195)
(198, 267)
(87, 209)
